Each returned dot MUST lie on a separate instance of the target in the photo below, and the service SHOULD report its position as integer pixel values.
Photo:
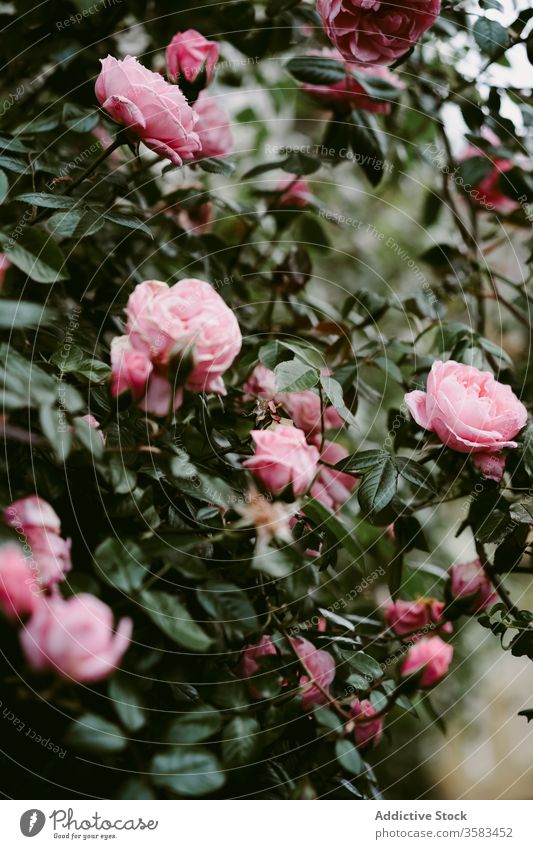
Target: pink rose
(351, 93)
(487, 192)
(376, 32)
(283, 458)
(491, 466)
(187, 319)
(189, 53)
(95, 424)
(467, 409)
(332, 488)
(294, 193)
(38, 527)
(261, 383)
(407, 617)
(19, 591)
(4, 265)
(431, 657)
(155, 112)
(75, 637)
(368, 731)
(249, 664)
(213, 128)
(469, 583)
(321, 668)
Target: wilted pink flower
(321, 668)
(332, 488)
(373, 31)
(294, 193)
(283, 458)
(368, 730)
(18, 588)
(351, 93)
(407, 617)
(38, 527)
(431, 657)
(491, 466)
(468, 409)
(155, 112)
(469, 583)
(189, 53)
(4, 265)
(75, 637)
(213, 128)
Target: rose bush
(265, 395)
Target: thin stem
(94, 165)
(495, 581)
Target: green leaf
(273, 353)
(348, 757)
(17, 314)
(94, 734)
(364, 664)
(4, 186)
(333, 392)
(414, 473)
(491, 37)
(120, 564)
(362, 461)
(75, 223)
(13, 164)
(275, 562)
(129, 221)
(378, 487)
(127, 702)
(90, 437)
(321, 516)
(317, 70)
(217, 166)
(78, 119)
(43, 199)
(187, 771)
(527, 713)
(239, 741)
(173, 618)
(228, 605)
(366, 145)
(36, 254)
(56, 428)
(295, 376)
(198, 724)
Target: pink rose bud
(19, 591)
(350, 93)
(332, 488)
(75, 638)
(251, 660)
(213, 128)
(368, 730)
(467, 409)
(408, 617)
(38, 528)
(469, 584)
(95, 424)
(491, 466)
(321, 668)
(189, 54)
(375, 32)
(131, 369)
(304, 410)
(283, 458)
(154, 111)
(4, 265)
(429, 657)
(294, 193)
(261, 383)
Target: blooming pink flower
(249, 664)
(75, 637)
(350, 93)
(373, 31)
(468, 409)
(189, 53)
(431, 657)
(213, 128)
(469, 583)
(321, 668)
(261, 383)
(406, 617)
(19, 591)
(4, 265)
(282, 458)
(332, 488)
(491, 466)
(39, 527)
(155, 112)
(294, 191)
(368, 731)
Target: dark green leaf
(173, 618)
(197, 724)
(239, 741)
(317, 70)
(95, 734)
(36, 254)
(378, 487)
(187, 771)
(348, 757)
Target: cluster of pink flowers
(73, 637)
(290, 455)
(415, 618)
(167, 326)
(157, 112)
(470, 412)
(376, 32)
